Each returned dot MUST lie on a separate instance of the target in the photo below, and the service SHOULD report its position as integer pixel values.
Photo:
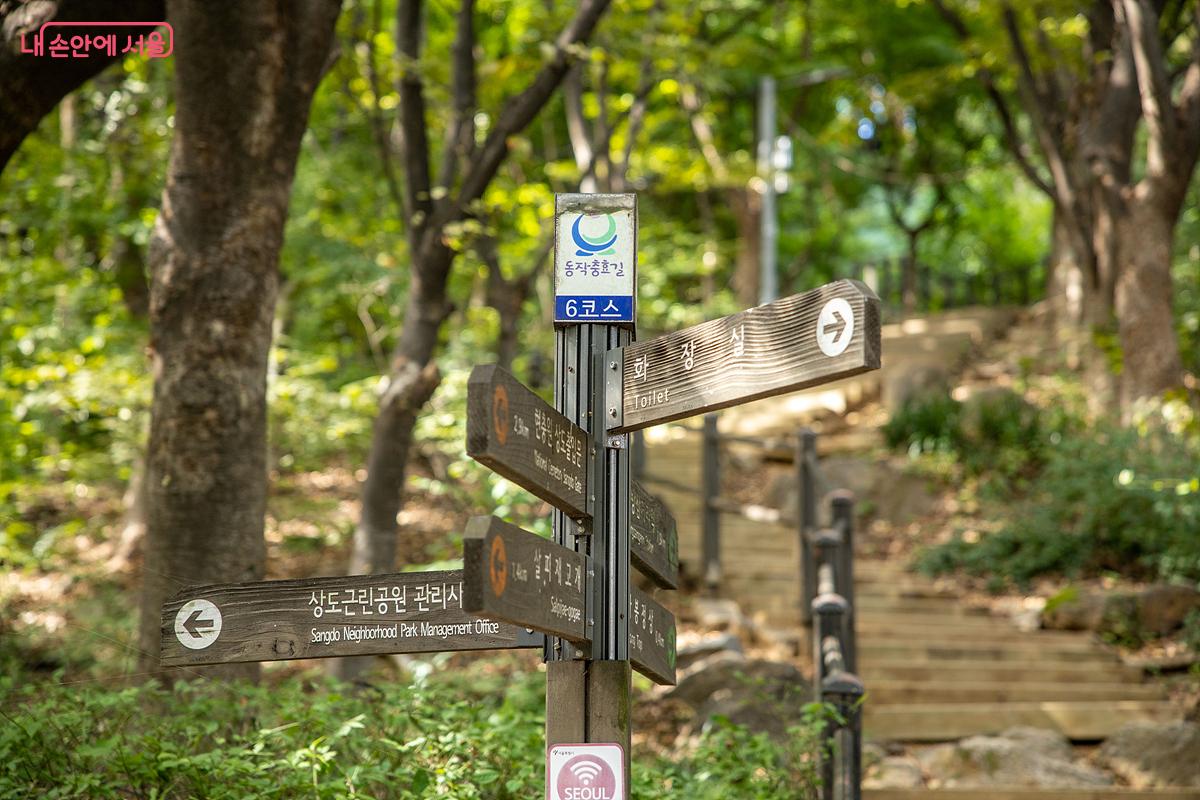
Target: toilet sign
(585, 772)
(595, 258)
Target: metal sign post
(595, 265)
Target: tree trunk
(908, 279)
(1151, 363)
(214, 258)
(746, 205)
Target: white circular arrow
(835, 327)
(198, 624)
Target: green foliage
(460, 735)
(994, 430)
(926, 423)
(1106, 500)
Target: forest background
(269, 260)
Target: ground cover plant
(464, 734)
(1074, 501)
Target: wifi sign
(586, 772)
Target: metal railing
(826, 585)
(830, 554)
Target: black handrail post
(711, 490)
(806, 451)
(842, 503)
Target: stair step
(906, 591)
(957, 629)
(946, 606)
(885, 692)
(1006, 672)
(1077, 720)
(875, 649)
(933, 618)
(994, 793)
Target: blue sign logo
(601, 245)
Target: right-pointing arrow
(194, 625)
(836, 327)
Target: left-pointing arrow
(193, 624)
(197, 624)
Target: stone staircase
(935, 667)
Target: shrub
(999, 430)
(926, 423)
(467, 735)
(1112, 499)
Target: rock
(1020, 757)
(692, 649)
(1154, 754)
(873, 753)
(895, 772)
(882, 488)
(1073, 610)
(721, 615)
(1027, 620)
(697, 683)
(1156, 610)
(1162, 608)
(762, 695)
(1049, 742)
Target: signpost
(571, 595)
(520, 577)
(518, 435)
(653, 543)
(651, 637)
(407, 612)
(800, 341)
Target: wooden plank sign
(807, 339)
(653, 543)
(517, 434)
(407, 612)
(513, 575)
(651, 638)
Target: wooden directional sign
(653, 543)
(651, 637)
(513, 575)
(408, 612)
(517, 434)
(800, 341)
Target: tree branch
(703, 132)
(460, 138)
(415, 140)
(521, 110)
(375, 113)
(581, 144)
(1155, 90)
(1012, 134)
